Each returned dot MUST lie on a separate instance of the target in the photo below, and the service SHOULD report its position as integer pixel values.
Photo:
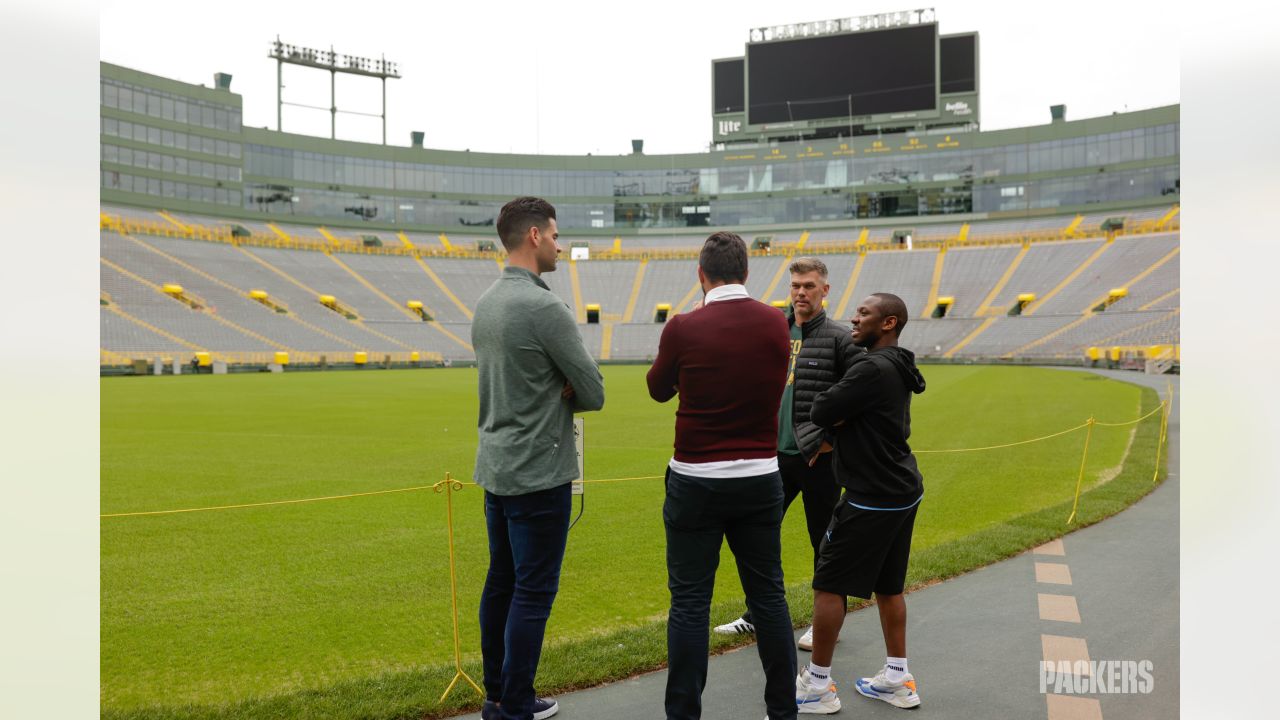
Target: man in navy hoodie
(868, 542)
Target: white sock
(895, 669)
(819, 677)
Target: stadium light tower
(335, 63)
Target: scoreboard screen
(727, 76)
(959, 63)
(830, 76)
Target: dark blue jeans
(819, 491)
(527, 535)
(699, 513)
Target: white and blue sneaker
(810, 700)
(901, 695)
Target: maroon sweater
(728, 361)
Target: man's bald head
(891, 305)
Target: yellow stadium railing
(113, 358)
(975, 238)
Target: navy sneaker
(543, 709)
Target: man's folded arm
(560, 338)
(847, 398)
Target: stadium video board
(865, 75)
(958, 63)
(862, 74)
(727, 83)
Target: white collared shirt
(726, 468)
(726, 292)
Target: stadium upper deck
(179, 146)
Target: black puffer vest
(826, 352)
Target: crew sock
(895, 670)
(819, 677)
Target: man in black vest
(821, 350)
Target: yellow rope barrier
(458, 483)
(1154, 410)
(449, 486)
(613, 480)
(1006, 445)
(1080, 478)
(263, 504)
(333, 497)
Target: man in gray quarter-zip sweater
(534, 373)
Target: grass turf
(341, 608)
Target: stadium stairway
(629, 312)
(847, 296)
(1089, 311)
(443, 287)
(286, 330)
(169, 317)
(401, 308)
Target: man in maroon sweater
(728, 362)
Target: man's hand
(826, 448)
(567, 391)
(696, 306)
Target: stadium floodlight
(335, 63)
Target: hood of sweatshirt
(905, 361)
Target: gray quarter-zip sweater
(527, 345)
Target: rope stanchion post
(1160, 434)
(1084, 457)
(449, 486)
(1167, 410)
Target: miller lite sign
(724, 127)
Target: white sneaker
(737, 627)
(812, 701)
(806, 640)
(901, 695)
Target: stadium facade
(184, 147)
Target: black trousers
(699, 514)
(820, 494)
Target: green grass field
(341, 607)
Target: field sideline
(341, 608)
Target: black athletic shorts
(865, 551)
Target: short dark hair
(517, 216)
(803, 265)
(891, 304)
(724, 258)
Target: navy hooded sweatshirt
(872, 458)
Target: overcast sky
(587, 77)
